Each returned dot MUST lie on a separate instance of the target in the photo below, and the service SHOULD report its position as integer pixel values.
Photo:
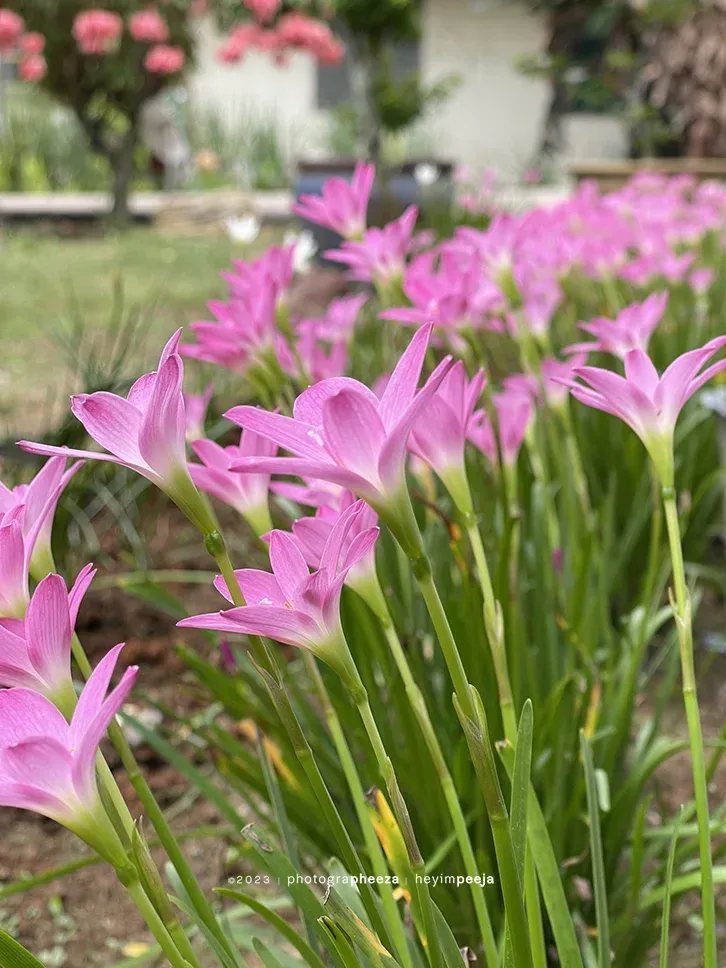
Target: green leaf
(665, 925)
(339, 941)
(278, 923)
(553, 893)
(598, 866)
(14, 955)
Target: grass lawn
(47, 283)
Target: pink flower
(319, 362)
(246, 493)
(648, 403)
(39, 500)
(532, 176)
(291, 605)
(631, 330)
(514, 412)
(11, 29)
(555, 375)
(439, 434)
(245, 333)
(297, 31)
(313, 533)
(97, 31)
(451, 293)
(148, 27)
(238, 43)
(263, 10)
(35, 652)
(341, 432)
(163, 59)
(48, 765)
(340, 318)
(381, 255)
(15, 552)
(343, 206)
(195, 411)
(32, 43)
(144, 431)
(32, 68)
(701, 280)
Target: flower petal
(112, 422)
(354, 434)
(309, 405)
(306, 468)
(296, 436)
(288, 564)
(162, 433)
(402, 385)
(48, 630)
(25, 714)
(393, 454)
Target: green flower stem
(400, 810)
(495, 632)
(420, 711)
(690, 698)
(400, 518)
(272, 677)
(157, 926)
(493, 622)
(375, 851)
(154, 813)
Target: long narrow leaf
(598, 865)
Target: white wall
(257, 87)
(493, 118)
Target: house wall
(493, 117)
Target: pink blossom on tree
(97, 31)
(163, 59)
(148, 27)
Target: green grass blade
(14, 955)
(665, 924)
(278, 923)
(548, 872)
(598, 866)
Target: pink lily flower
(40, 499)
(319, 362)
(48, 765)
(339, 320)
(631, 330)
(554, 372)
(380, 257)
(246, 493)
(312, 494)
(144, 432)
(291, 605)
(648, 403)
(342, 433)
(243, 334)
(439, 434)
(514, 413)
(195, 412)
(35, 652)
(313, 533)
(343, 206)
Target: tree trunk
(122, 165)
